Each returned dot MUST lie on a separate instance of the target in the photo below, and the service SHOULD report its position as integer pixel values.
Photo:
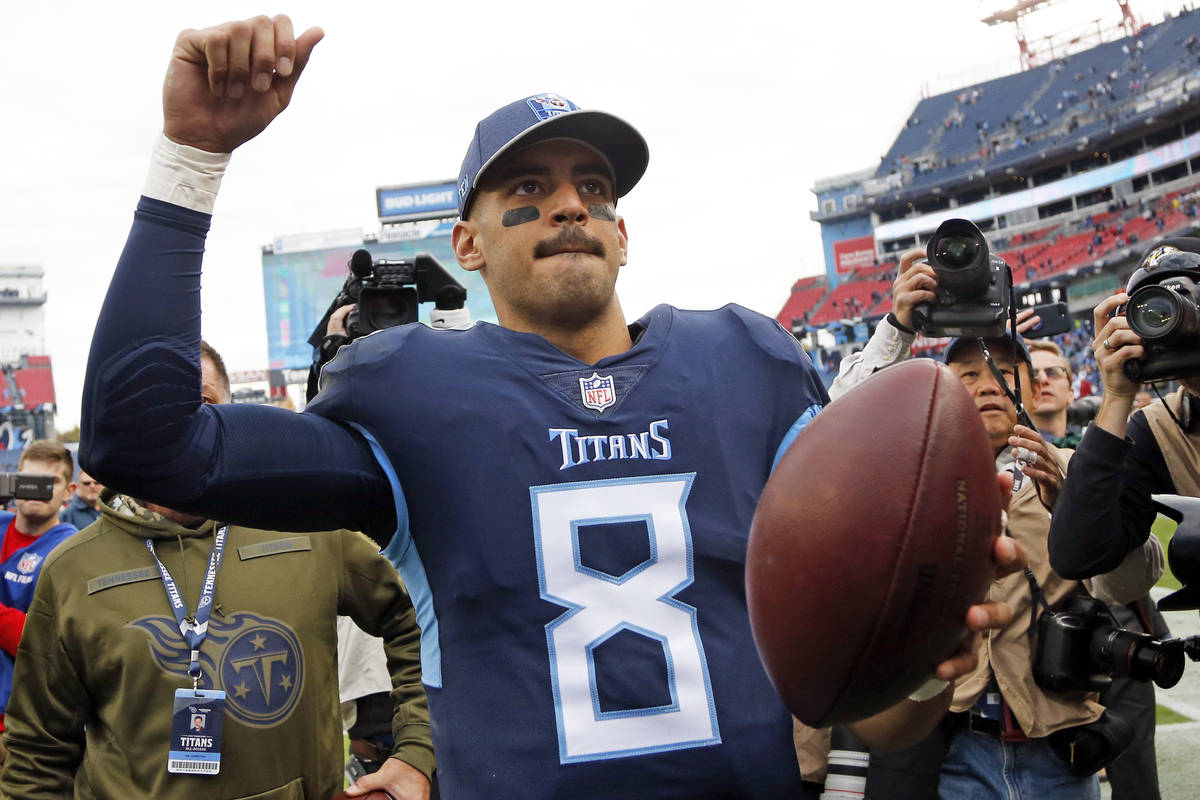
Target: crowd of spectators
(1084, 89)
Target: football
(871, 539)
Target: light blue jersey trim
(595, 573)
(633, 712)
(809, 414)
(403, 554)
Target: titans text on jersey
(580, 449)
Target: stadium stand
(1128, 102)
(803, 301)
(986, 129)
(27, 384)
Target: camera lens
(1142, 657)
(387, 306)
(957, 252)
(1154, 312)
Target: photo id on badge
(196, 732)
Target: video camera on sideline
(973, 295)
(389, 293)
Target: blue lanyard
(194, 631)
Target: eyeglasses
(1051, 373)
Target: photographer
(1135, 773)
(1003, 717)
(1122, 459)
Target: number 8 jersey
(574, 538)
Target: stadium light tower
(1034, 54)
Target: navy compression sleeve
(145, 432)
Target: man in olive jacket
(102, 657)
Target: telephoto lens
(1139, 656)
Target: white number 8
(641, 600)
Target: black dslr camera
(973, 294)
(389, 292)
(1081, 647)
(1164, 309)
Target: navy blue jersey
(581, 530)
(573, 535)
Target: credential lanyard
(194, 631)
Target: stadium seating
(1012, 125)
(1036, 256)
(36, 386)
(800, 304)
(1017, 120)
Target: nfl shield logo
(598, 392)
(28, 563)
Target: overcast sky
(744, 105)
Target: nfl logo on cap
(599, 392)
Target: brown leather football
(871, 539)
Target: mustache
(570, 238)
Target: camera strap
(1039, 598)
(1184, 420)
(1013, 394)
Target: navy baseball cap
(957, 344)
(549, 116)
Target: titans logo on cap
(258, 662)
(546, 106)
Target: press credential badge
(196, 732)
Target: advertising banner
(851, 254)
(417, 201)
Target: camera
(386, 293)
(973, 294)
(389, 292)
(15, 486)
(1081, 647)
(1164, 309)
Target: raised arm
(144, 429)
(225, 84)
